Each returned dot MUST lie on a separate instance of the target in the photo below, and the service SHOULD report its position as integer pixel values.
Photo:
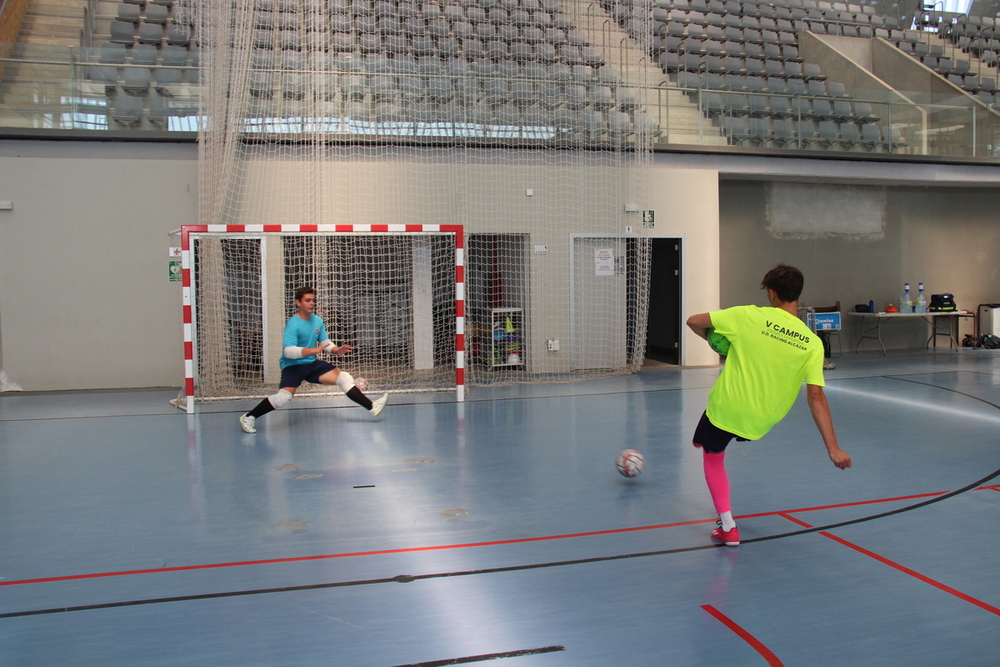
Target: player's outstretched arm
(824, 422)
(700, 324)
(328, 346)
(294, 352)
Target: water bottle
(905, 305)
(921, 305)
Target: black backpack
(942, 303)
(989, 341)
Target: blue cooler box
(824, 321)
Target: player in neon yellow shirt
(771, 353)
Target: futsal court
(499, 531)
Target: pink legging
(718, 480)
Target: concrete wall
(686, 202)
(84, 297)
(85, 300)
(945, 237)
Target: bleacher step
(601, 27)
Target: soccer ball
(361, 384)
(630, 463)
(718, 342)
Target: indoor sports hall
(498, 529)
(507, 213)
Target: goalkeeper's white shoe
(246, 421)
(377, 405)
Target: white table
(950, 319)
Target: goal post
(395, 293)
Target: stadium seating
(526, 62)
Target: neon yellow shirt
(771, 353)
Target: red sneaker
(731, 538)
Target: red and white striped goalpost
(187, 294)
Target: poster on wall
(604, 262)
(174, 273)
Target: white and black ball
(630, 463)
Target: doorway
(598, 299)
(663, 325)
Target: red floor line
(299, 559)
(768, 655)
(916, 575)
(445, 547)
(842, 505)
(791, 518)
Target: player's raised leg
(345, 381)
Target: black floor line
(487, 656)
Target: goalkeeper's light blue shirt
(302, 333)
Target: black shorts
(296, 374)
(712, 438)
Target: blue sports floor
(498, 531)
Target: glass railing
(58, 88)
(97, 90)
(873, 121)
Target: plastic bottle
(905, 304)
(921, 303)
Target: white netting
(391, 296)
(522, 120)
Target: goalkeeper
(771, 352)
(305, 336)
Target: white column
(423, 305)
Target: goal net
(393, 293)
(525, 122)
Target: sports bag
(942, 303)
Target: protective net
(522, 120)
(392, 296)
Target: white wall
(84, 293)
(85, 301)
(83, 255)
(946, 237)
(686, 202)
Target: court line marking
(408, 578)
(487, 656)
(446, 547)
(980, 484)
(916, 575)
(905, 570)
(757, 645)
